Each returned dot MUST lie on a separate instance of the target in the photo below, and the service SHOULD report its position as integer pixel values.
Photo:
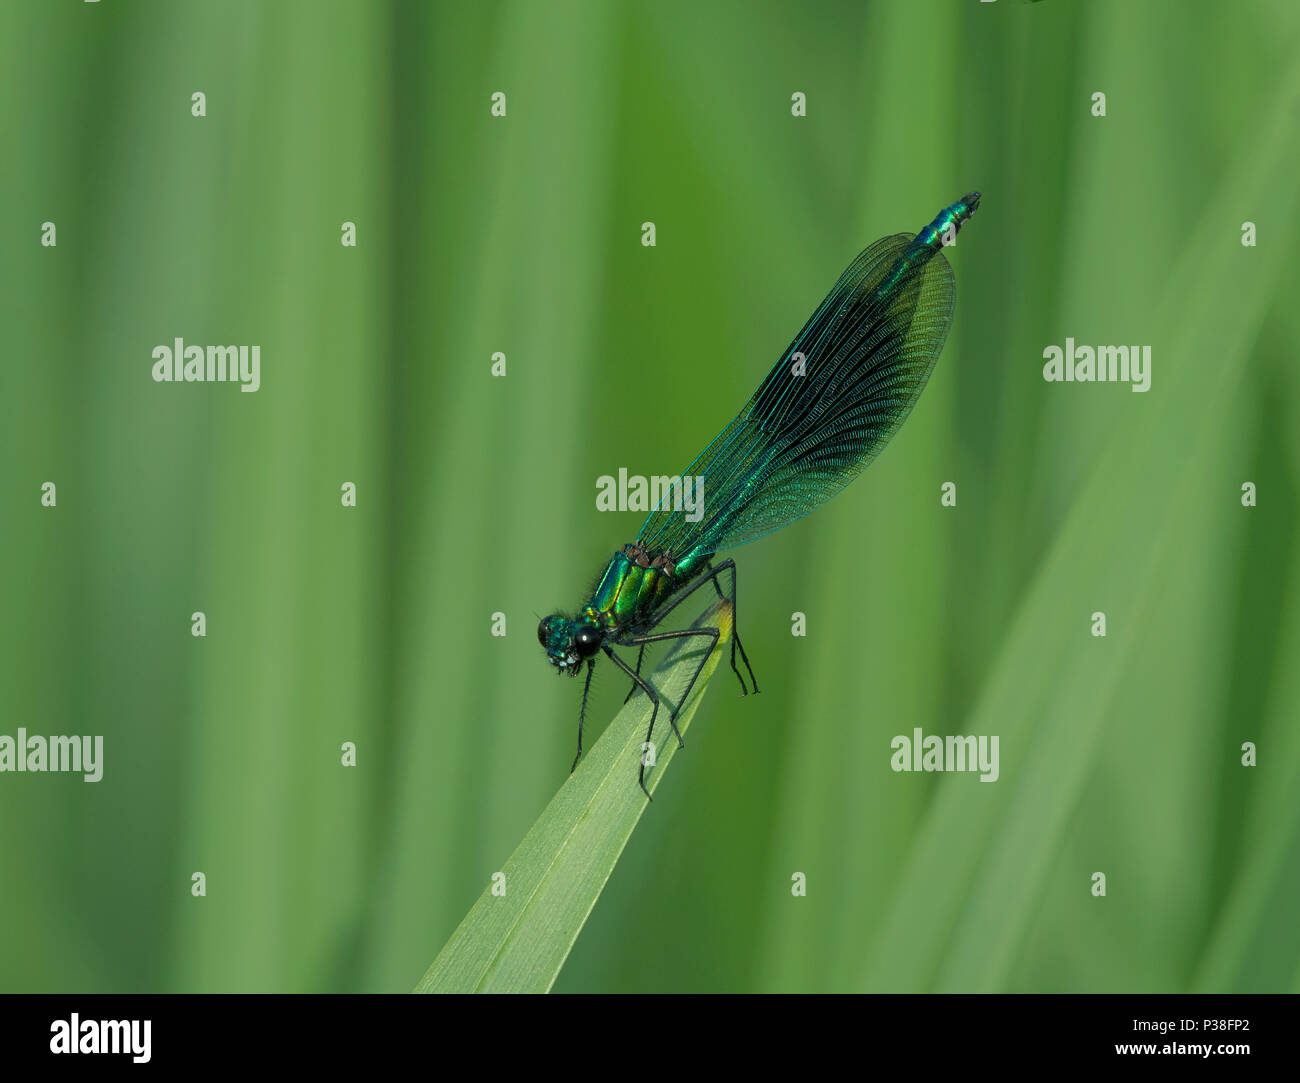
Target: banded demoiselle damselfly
(839, 392)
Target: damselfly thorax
(635, 584)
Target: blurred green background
(477, 494)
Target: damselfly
(834, 399)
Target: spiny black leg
(711, 574)
(735, 625)
(654, 712)
(582, 714)
(713, 634)
(661, 636)
(632, 691)
(735, 643)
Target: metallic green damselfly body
(839, 392)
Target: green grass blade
(517, 942)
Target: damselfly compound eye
(586, 642)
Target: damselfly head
(568, 642)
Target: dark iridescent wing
(810, 429)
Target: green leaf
(517, 942)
